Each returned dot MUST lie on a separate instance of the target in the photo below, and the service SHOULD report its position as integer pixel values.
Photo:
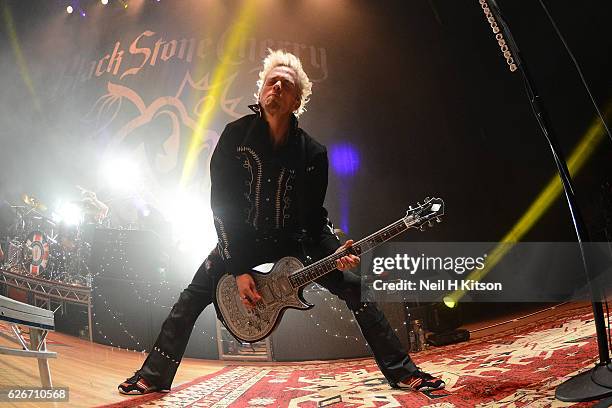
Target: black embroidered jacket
(254, 193)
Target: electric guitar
(281, 288)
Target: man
(95, 210)
(269, 179)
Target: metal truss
(60, 291)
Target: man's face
(279, 93)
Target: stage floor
(92, 371)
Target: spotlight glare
(105, 2)
(344, 159)
(449, 302)
(68, 213)
(69, 9)
(121, 173)
(191, 221)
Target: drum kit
(41, 247)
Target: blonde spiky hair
(285, 59)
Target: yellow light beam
(23, 67)
(238, 32)
(587, 145)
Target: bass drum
(36, 253)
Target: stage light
(67, 212)
(83, 14)
(552, 191)
(121, 173)
(69, 9)
(344, 159)
(236, 35)
(19, 57)
(191, 219)
(444, 323)
(105, 2)
(449, 302)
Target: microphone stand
(597, 382)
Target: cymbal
(33, 202)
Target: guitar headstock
(430, 211)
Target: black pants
(162, 362)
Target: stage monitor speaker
(442, 319)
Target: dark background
(418, 88)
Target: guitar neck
(312, 272)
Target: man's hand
(348, 261)
(248, 291)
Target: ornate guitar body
(281, 288)
(277, 295)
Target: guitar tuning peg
(426, 199)
(409, 208)
(438, 219)
(422, 228)
(430, 223)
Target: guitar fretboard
(312, 272)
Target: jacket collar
(259, 127)
(293, 125)
(256, 108)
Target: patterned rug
(518, 368)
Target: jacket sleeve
(320, 229)
(227, 193)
